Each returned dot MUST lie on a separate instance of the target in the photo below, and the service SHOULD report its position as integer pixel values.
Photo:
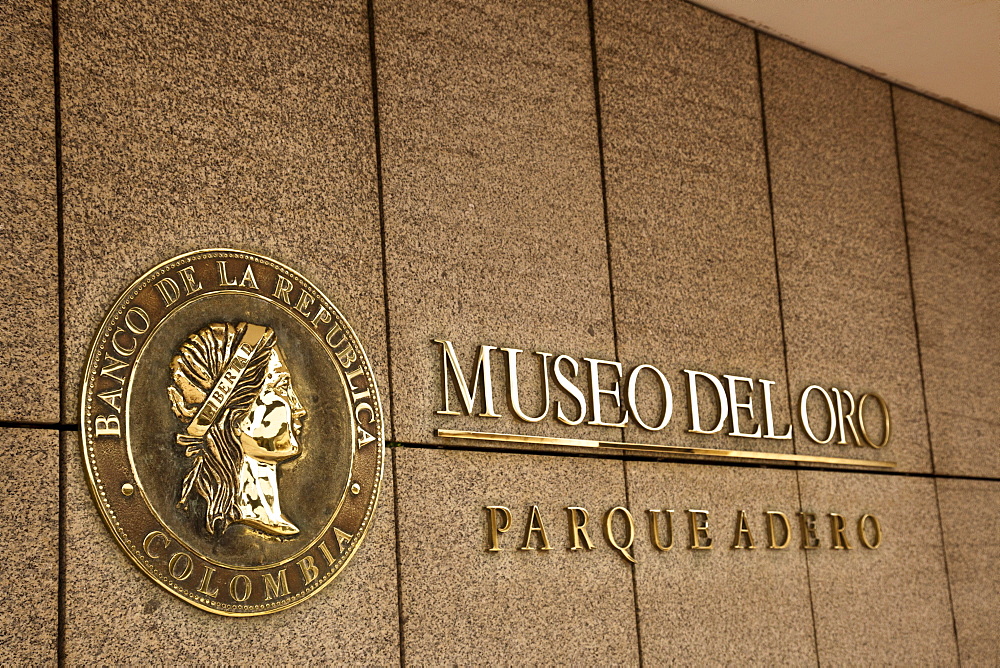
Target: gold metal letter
(245, 585)
(743, 529)
(577, 529)
(515, 399)
(693, 396)
(610, 534)
(309, 570)
(810, 541)
(769, 413)
(887, 424)
(596, 392)
(699, 529)
(535, 524)
(496, 529)
(771, 514)
(878, 532)
(450, 361)
(563, 382)
(804, 414)
(735, 406)
(206, 581)
(276, 588)
(847, 417)
(668, 397)
(837, 526)
(654, 529)
(187, 566)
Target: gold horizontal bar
(664, 449)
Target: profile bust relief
(231, 388)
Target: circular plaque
(232, 432)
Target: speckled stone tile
(724, 604)
(949, 162)
(971, 530)
(29, 546)
(465, 605)
(115, 615)
(29, 313)
(691, 244)
(494, 222)
(884, 606)
(218, 125)
(842, 250)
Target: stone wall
(640, 181)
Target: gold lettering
(169, 291)
(693, 395)
(309, 570)
(190, 281)
(804, 414)
(322, 316)
(326, 553)
(847, 417)
(596, 392)
(668, 397)
(347, 356)
(147, 543)
(135, 326)
(609, 532)
(206, 581)
(837, 526)
(249, 280)
(871, 545)
(107, 425)
(700, 539)
(336, 329)
(182, 559)
(654, 529)
(563, 382)
(276, 588)
(494, 527)
(769, 413)
(364, 438)
(743, 531)
(113, 398)
(535, 524)
(121, 350)
(449, 361)
(281, 289)
(735, 406)
(886, 422)
(305, 301)
(515, 399)
(223, 278)
(578, 529)
(244, 584)
(343, 538)
(112, 365)
(810, 541)
(772, 537)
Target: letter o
(668, 397)
(863, 537)
(803, 413)
(186, 569)
(245, 585)
(129, 320)
(885, 414)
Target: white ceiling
(949, 49)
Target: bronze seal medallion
(232, 432)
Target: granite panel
(218, 124)
(883, 606)
(691, 243)
(465, 605)
(842, 249)
(115, 615)
(29, 546)
(949, 164)
(29, 314)
(696, 604)
(493, 212)
(971, 531)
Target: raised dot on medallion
(355, 489)
(128, 489)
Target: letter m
(449, 363)
(272, 588)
